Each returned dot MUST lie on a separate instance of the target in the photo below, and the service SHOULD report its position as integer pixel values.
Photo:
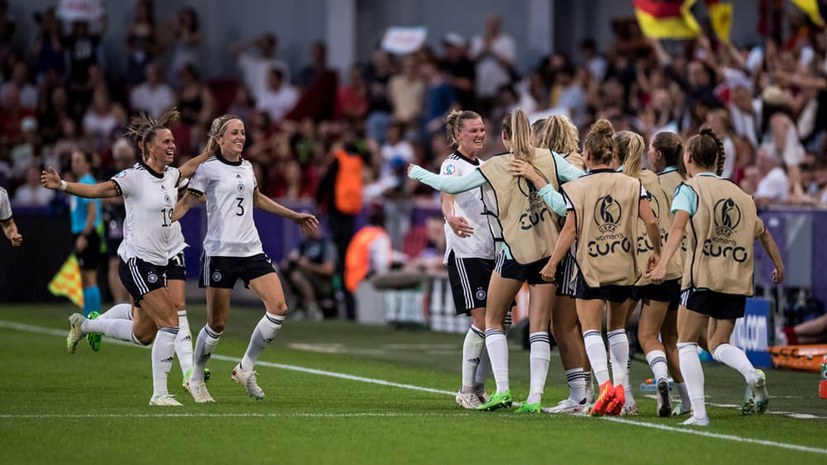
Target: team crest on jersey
(727, 217)
(167, 199)
(216, 276)
(240, 188)
(607, 214)
(449, 169)
(152, 278)
(481, 294)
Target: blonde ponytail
(629, 147)
(518, 131)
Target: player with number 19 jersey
(149, 198)
(230, 189)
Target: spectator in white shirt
(32, 194)
(495, 54)
(255, 68)
(154, 96)
(774, 186)
(278, 98)
(19, 80)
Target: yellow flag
(67, 282)
(810, 7)
(721, 16)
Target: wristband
(63, 185)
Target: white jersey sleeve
(5, 206)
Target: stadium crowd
(768, 100)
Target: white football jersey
(5, 206)
(468, 205)
(149, 198)
(230, 188)
(176, 241)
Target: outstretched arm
(447, 184)
(51, 180)
(188, 168)
(305, 220)
(10, 230)
(553, 199)
(187, 201)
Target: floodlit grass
(92, 407)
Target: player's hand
(460, 226)
(657, 274)
(653, 261)
(306, 221)
(778, 276)
(521, 168)
(50, 179)
(16, 239)
(81, 243)
(548, 272)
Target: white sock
(116, 329)
(117, 312)
(471, 353)
(657, 362)
(596, 350)
(735, 358)
(483, 373)
(204, 347)
(538, 362)
(587, 376)
(576, 380)
(693, 376)
(684, 393)
(262, 336)
(497, 347)
(163, 351)
(183, 342)
(619, 349)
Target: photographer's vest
(660, 208)
(529, 226)
(721, 238)
(349, 185)
(606, 206)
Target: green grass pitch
(339, 393)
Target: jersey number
(240, 211)
(166, 214)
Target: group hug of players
(589, 228)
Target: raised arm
(447, 184)
(305, 220)
(188, 168)
(51, 180)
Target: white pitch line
(222, 415)
(727, 437)
(333, 374)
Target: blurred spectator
(154, 96)
(141, 41)
(12, 117)
(352, 99)
(743, 110)
(378, 75)
(32, 193)
(25, 153)
(460, 70)
(185, 41)
(781, 136)
(114, 213)
(243, 105)
(317, 66)
(430, 258)
(369, 253)
(439, 98)
(195, 100)
(309, 270)
(51, 110)
(495, 55)
(19, 82)
(278, 98)
(84, 50)
(406, 93)
(256, 67)
(591, 58)
(774, 185)
(100, 120)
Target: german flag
(814, 10)
(667, 19)
(720, 14)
